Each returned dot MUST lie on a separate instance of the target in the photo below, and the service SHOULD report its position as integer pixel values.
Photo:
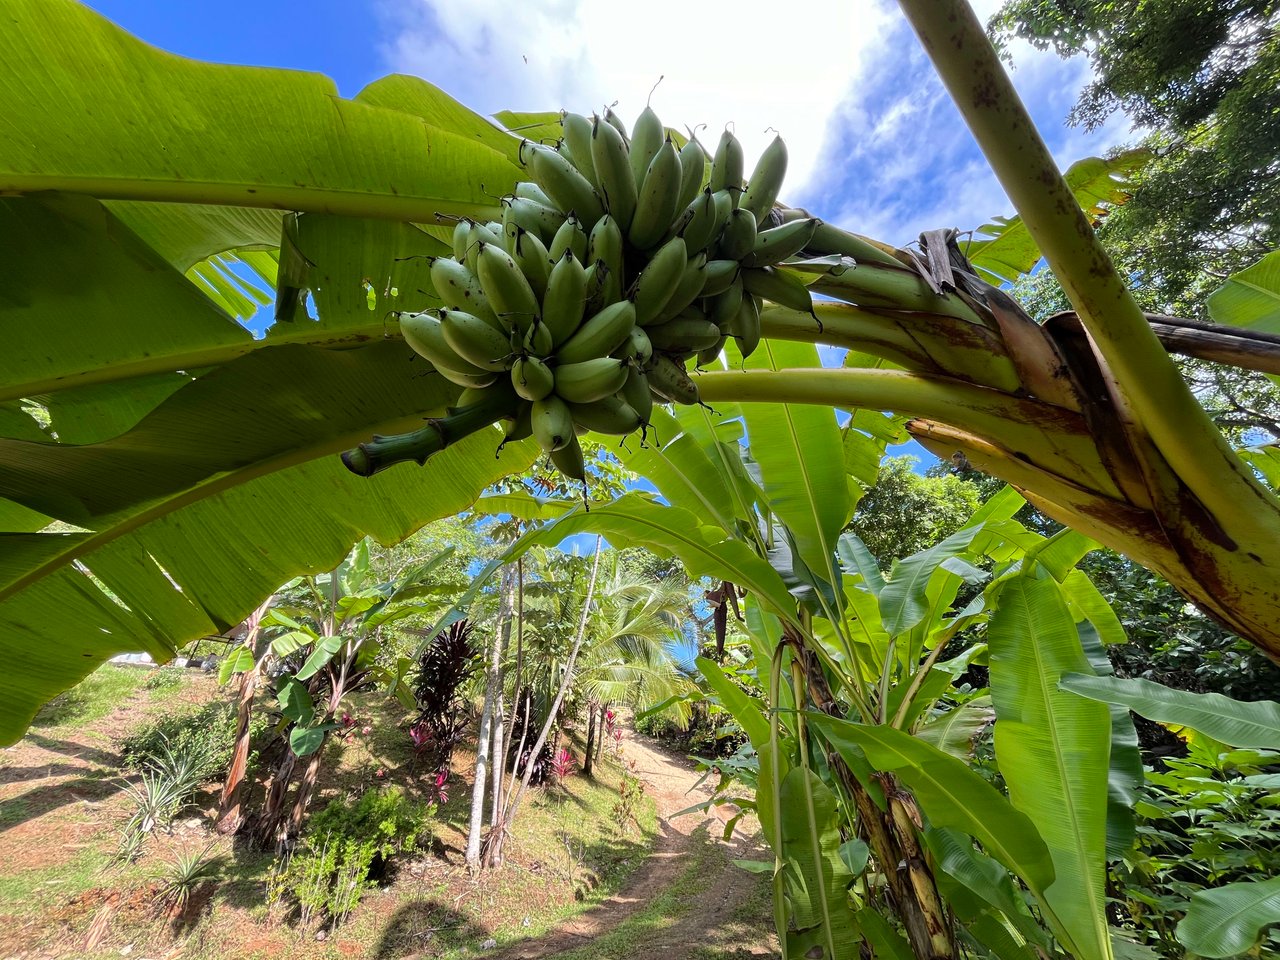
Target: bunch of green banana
(622, 258)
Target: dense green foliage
(1204, 78)
(206, 735)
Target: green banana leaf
(950, 793)
(1232, 722)
(798, 449)
(1227, 921)
(1097, 184)
(984, 878)
(1053, 749)
(1250, 298)
(743, 708)
(904, 601)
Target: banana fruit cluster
(622, 258)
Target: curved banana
(712, 353)
(601, 335)
(613, 170)
(669, 379)
(611, 414)
(739, 236)
(646, 139)
(577, 144)
(719, 276)
(569, 461)
(723, 307)
(551, 422)
(745, 326)
(700, 221)
(532, 378)
(605, 245)
(529, 215)
(460, 289)
(565, 298)
(658, 198)
(727, 167)
(687, 290)
(509, 292)
(637, 394)
(532, 258)
(570, 190)
(775, 245)
(531, 191)
(569, 237)
(766, 180)
(425, 334)
(693, 170)
(657, 281)
(637, 347)
(475, 341)
(681, 335)
(780, 287)
(590, 380)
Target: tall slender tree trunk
(229, 817)
(588, 760)
(501, 830)
(603, 733)
(484, 736)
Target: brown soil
(672, 784)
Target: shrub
(345, 849)
(168, 783)
(442, 713)
(187, 872)
(207, 735)
(707, 736)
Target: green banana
(699, 226)
(775, 245)
(531, 191)
(539, 341)
(687, 290)
(693, 168)
(745, 326)
(565, 298)
(684, 334)
(712, 353)
(658, 198)
(570, 190)
(590, 380)
(517, 427)
(611, 414)
(568, 237)
(723, 307)
(482, 233)
(766, 180)
(605, 245)
(532, 258)
(460, 289)
(529, 215)
(551, 422)
(636, 347)
(613, 168)
(615, 121)
(637, 395)
(727, 167)
(600, 335)
(670, 380)
(425, 334)
(461, 233)
(475, 341)
(739, 236)
(719, 276)
(657, 281)
(646, 139)
(569, 461)
(577, 142)
(532, 378)
(780, 287)
(508, 290)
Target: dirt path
(702, 926)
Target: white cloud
(752, 64)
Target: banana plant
(138, 411)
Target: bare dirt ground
(704, 928)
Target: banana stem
(1181, 430)
(379, 453)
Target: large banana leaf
(1226, 921)
(1229, 721)
(1250, 298)
(202, 565)
(801, 460)
(1053, 749)
(91, 109)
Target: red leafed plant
(562, 764)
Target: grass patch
(92, 698)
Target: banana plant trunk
(229, 818)
(891, 834)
